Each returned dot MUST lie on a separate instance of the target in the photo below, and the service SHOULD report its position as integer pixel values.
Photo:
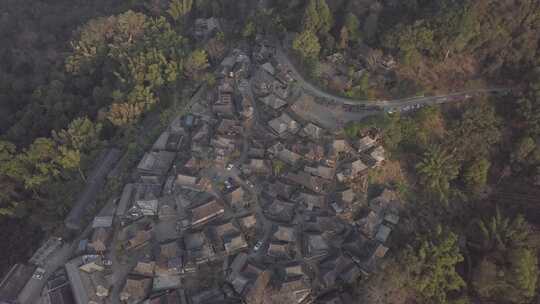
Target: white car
(257, 246)
(229, 167)
(107, 262)
(38, 274)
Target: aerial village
(245, 199)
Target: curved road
(386, 105)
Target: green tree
(476, 132)
(40, 161)
(511, 281)
(307, 45)
(523, 275)
(196, 62)
(278, 167)
(524, 147)
(8, 154)
(179, 8)
(431, 265)
(436, 170)
(508, 268)
(476, 174)
(124, 114)
(529, 111)
(78, 140)
(499, 233)
(140, 56)
(353, 26)
(317, 17)
(82, 134)
(11, 173)
(249, 29)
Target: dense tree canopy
(307, 45)
(508, 268)
(145, 54)
(317, 17)
(436, 170)
(431, 266)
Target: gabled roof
(161, 143)
(259, 165)
(312, 131)
(224, 229)
(165, 282)
(315, 245)
(293, 292)
(347, 196)
(277, 250)
(156, 162)
(236, 196)
(365, 143)
(378, 154)
(206, 212)
(239, 283)
(140, 238)
(273, 101)
(312, 201)
(280, 189)
(148, 207)
(145, 268)
(341, 146)
(321, 171)
(169, 250)
(268, 67)
(284, 123)
(357, 167)
(280, 210)
(102, 221)
(239, 263)
(235, 243)
(294, 270)
(369, 224)
(229, 126)
(99, 239)
(248, 222)
(285, 234)
(382, 233)
(194, 240)
(213, 295)
(304, 179)
(284, 154)
(186, 180)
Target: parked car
(38, 274)
(89, 258)
(257, 246)
(107, 262)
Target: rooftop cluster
(239, 200)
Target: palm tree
(436, 169)
(178, 9)
(499, 233)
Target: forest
(75, 82)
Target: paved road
(57, 259)
(32, 290)
(94, 184)
(386, 105)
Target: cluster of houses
(244, 189)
